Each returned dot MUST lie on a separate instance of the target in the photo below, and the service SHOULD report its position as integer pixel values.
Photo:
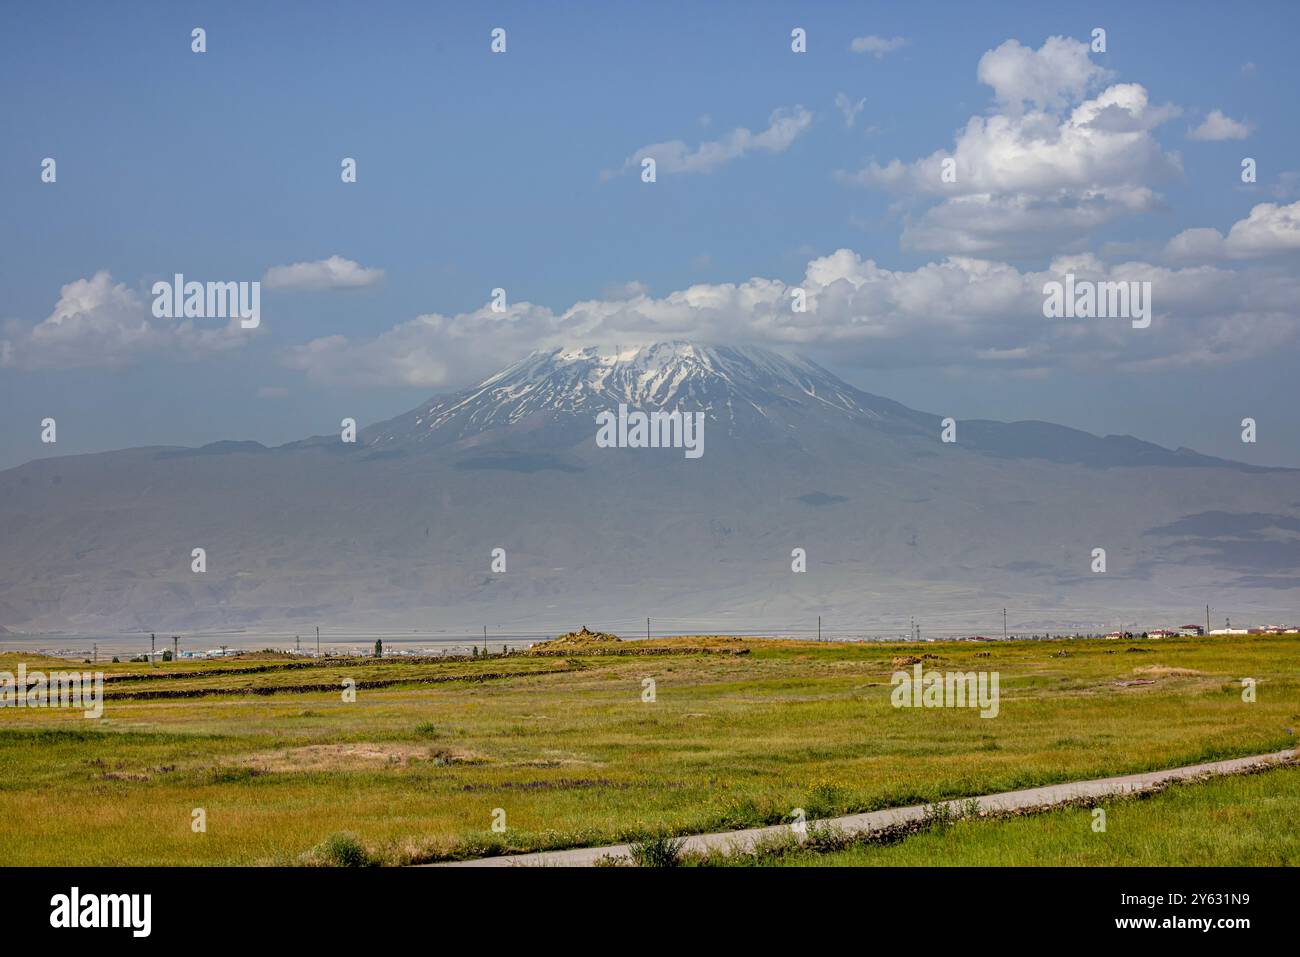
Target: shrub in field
(739, 812)
(824, 798)
(342, 850)
(661, 851)
(939, 816)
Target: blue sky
(478, 170)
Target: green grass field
(568, 749)
(1235, 820)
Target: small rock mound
(584, 637)
(904, 660)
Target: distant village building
(1191, 631)
(1162, 633)
(1230, 631)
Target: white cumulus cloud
(1217, 126)
(955, 312)
(1057, 73)
(99, 322)
(878, 47)
(332, 273)
(784, 126)
(1269, 230)
(849, 108)
(1052, 171)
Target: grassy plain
(416, 770)
(1242, 819)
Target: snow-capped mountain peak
(725, 382)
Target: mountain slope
(735, 388)
(741, 390)
(396, 531)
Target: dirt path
(880, 820)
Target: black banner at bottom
(304, 905)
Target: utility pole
(318, 641)
(647, 629)
(297, 644)
(1207, 619)
(176, 648)
(819, 627)
(485, 639)
(1004, 623)
(96, 652)
(153, 647)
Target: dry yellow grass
(578, 756)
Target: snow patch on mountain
(577, 381)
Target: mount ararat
(396, 531)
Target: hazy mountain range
(396, 530)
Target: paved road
(880, 820)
